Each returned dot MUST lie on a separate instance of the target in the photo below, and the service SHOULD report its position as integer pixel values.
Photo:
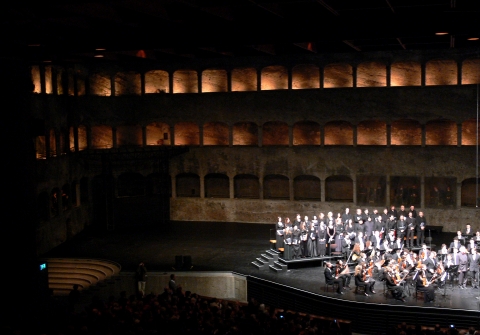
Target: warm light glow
(98, 56)
(473, 39)
(440, 33)
(100, 49)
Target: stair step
(274, 254)
(261, 260)
(280, 265)
(267, 258)
(259, 266)
(276, 269)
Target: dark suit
(474, 264)
(330, 279)
(421, 223)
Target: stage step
(268, 258)
(259, 265)
(278, 267)
(274, 254)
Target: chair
(418, 294)
(360, 289)
(333, 285)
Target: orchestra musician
(393, 280)
(423, 285)
(343, 272)
(362, 279)
(331, 279)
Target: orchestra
(380, 247)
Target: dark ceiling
(173, 30)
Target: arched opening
(188, 185)
(156, 81)
(244, 79)
(215, 133)
(128, 83)
(217, 185)
(305, 76)
(40, 147)
(405, 191)
(245, 133)
(100, 84)
(185, 81)
(406, 132)
(440, 192)
(371, 190)
(102, 137)
(274, 77)
(306, 133)
(372, 132)
(307, 188)
(187, 133)
(405, 74)
(441, 132)
(441, 72)
(275, 133)
(158, 133)
(75, 194)
(339, 188)
(129, 136)
(246, 186)
(276, 187)
(214, 80)
(469, 132)
(372, 74)
(71, 139)
(82, 138)
(130, 184)
(84, 196)
(338, 75)
(470, 71)
(338, 133)
(469, 191)
(52, 141)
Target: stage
(219, 246)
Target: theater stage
(219, 246)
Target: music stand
(452, 270)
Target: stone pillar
(199, 83)
(260, 182)
(354, 135)
(387, 190)
(389, 134)
(43, 85)
(112, 84)
(142, 83)
(354, 182)
(89, 138)
(174, 187)
(290, 135)
(200, 130)
(423, 74)
(291, 189)
(75, 138)
(424, 135)
(389, 75)
(322, 190)
(322, 135)
(202, 187)
(321, 71)
(458, 195)
(172, 135)
(230, 135)
(422, 192)
(259, 79)
(260, 136)
(231, 182)
(144, 136)
(459, 134)
(459, 72)
(354, 75)
(170, 83)
(54, 81)
(290, 79)
(229, 80)
(114, 137)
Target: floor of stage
(217, 246)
